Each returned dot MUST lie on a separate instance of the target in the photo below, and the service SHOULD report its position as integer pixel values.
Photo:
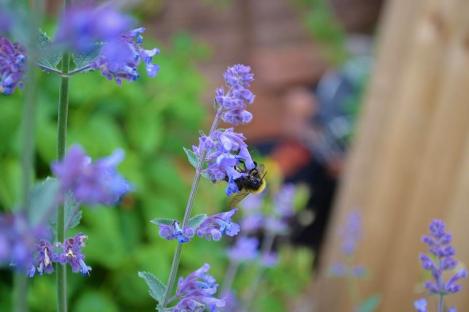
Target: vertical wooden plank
(440, 164)
(393, 47)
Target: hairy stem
(187, 214)
(61, 142)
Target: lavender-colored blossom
(234, 101)
(119, 58)
(269, 259)
(420, 305)
(71, 254)
(245, 249)
(12, 65)
(44, 259)
(81, 27)
(284, 200)
(351, 233)
(5, 22)
(18, 241)
(197, 291)
(232, 303)
(174, 231)
(216, 225)
(275, 224)
(441, 260)
(252, 223)
(91, 182)
(225, 151)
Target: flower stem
(265, 250)
(229, 277)
(441, 303)
(61, 142)
(187, 214)
(27, 156)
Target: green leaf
(164, 221)
(83, 59)
(194, 222)
(191, 157)
(370, 304)
(50, 53)
(157, 288)
(43, 197)
(73, 213)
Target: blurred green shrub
(151, 119)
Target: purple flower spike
(216, 225)
(440, 260)
(119, 58)
(91, 182)
(71, 254)
(197, 291)
(81, 27)
(351, 233)
(245, 249)
(12, 66)
(234, 102)
(174, 231)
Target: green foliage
(320, 21)
(156, 288)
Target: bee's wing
(235, 199)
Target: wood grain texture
(409, 162)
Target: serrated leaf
(191, 157)
(83, 59)
(73, 213)
(49, 52)
(156, 287)
(370, 304)
(196, 221)
(43, 198)
(164, 221)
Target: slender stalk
(27, 157)
(441, 303)
(187, 214)
(229, 277)
(61, 142)
(265, 250)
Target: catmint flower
(120, 57)
(18, 241)
(284, 200)
(197, 291)
(234, 101)
(71, 254)
(12, 66)
(216, 225)
(252, 223)
(351, 233)
(174, 231)
(232, 303)
(81, 27)
(44, 259)
(269, 259)
(225, 150)
(245, 249)
(91, 182)
(420, 305)
(274, 224)
(439, 244)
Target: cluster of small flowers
(82, 29)
(224, 151)
(440, 260)
(91, 183)
(28, 247)
(350, 235)
(196, 292)
(12, 65)
(68, 252)
(212, 228)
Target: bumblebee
(252, 182)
